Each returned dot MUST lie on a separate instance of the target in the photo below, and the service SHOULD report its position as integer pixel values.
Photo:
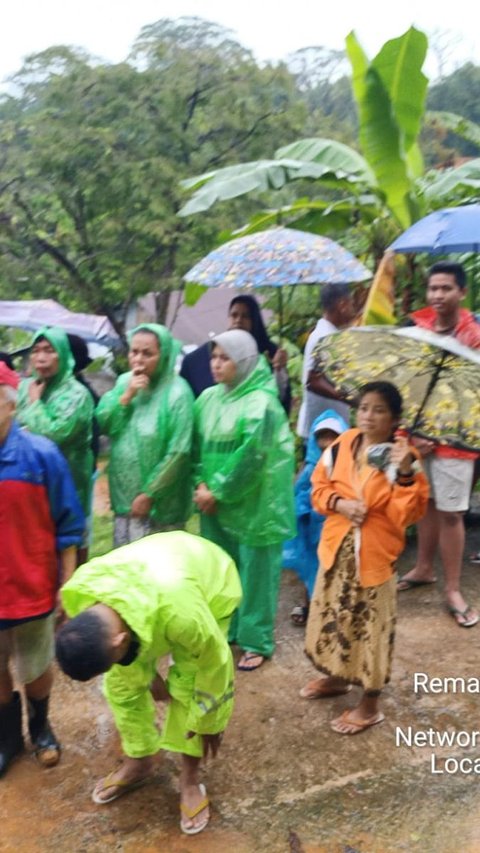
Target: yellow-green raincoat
(177, 593)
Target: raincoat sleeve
(67, 414)
(127, 690)
(244, 467)
(174, 462)
(202, 674)
(110, 413)
(65, 508)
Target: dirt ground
(283, 782)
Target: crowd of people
(216, 438)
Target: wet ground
(283, 782)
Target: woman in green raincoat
(52, 403)
(148, 416)
(244, 468)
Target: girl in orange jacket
(368, 505)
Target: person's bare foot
(353, 721)
(322, 688)
(131, 774)
(194, 808)
(464, 615)
(250, 661)
(414, 578)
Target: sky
(270, 28)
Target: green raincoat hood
(169, 349)
(59, 341)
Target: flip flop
(249, 656)
(466, 622)
(313, 690)
(191, 813)
(357, 727)
(123, 788)
(404, 584)
(299, 615)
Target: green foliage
(366, 199)
(458, 125)
(92, 156)
(458, 93)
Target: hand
(355, 511)
(211, 743)
(35, 390)
(141, 506)
(279, 360)
(205, 500)
(60, 615)
(138, 382)
(401, 456)
(423, 445)
(158, 689)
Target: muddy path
(283, 783)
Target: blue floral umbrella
(276, 258)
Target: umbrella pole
(280, 314)
(431, 385)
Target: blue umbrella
(452, 229)
(275, 258)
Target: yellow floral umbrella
(439, 379)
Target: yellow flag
(380, 306)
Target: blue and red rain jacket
(40, 515)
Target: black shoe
(11, 740)
(45, 744)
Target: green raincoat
(151, 438)
(64, 413)
(177, 593)
(244, 453)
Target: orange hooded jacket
(391, 508)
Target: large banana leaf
(261, 175)
(457, 181)
(456, 124)
(359, 62)
(387, 123)
(317, 217)
(380, 137)
(399, 65)
(328, 152)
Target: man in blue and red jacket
(41, 523)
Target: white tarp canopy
(33, 314)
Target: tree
(91, 157)
(375, 194)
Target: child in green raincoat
(53, 403)
(148, 417)
(171, 593)
(244, 469)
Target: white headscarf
(242, 348)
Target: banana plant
(385, 181)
